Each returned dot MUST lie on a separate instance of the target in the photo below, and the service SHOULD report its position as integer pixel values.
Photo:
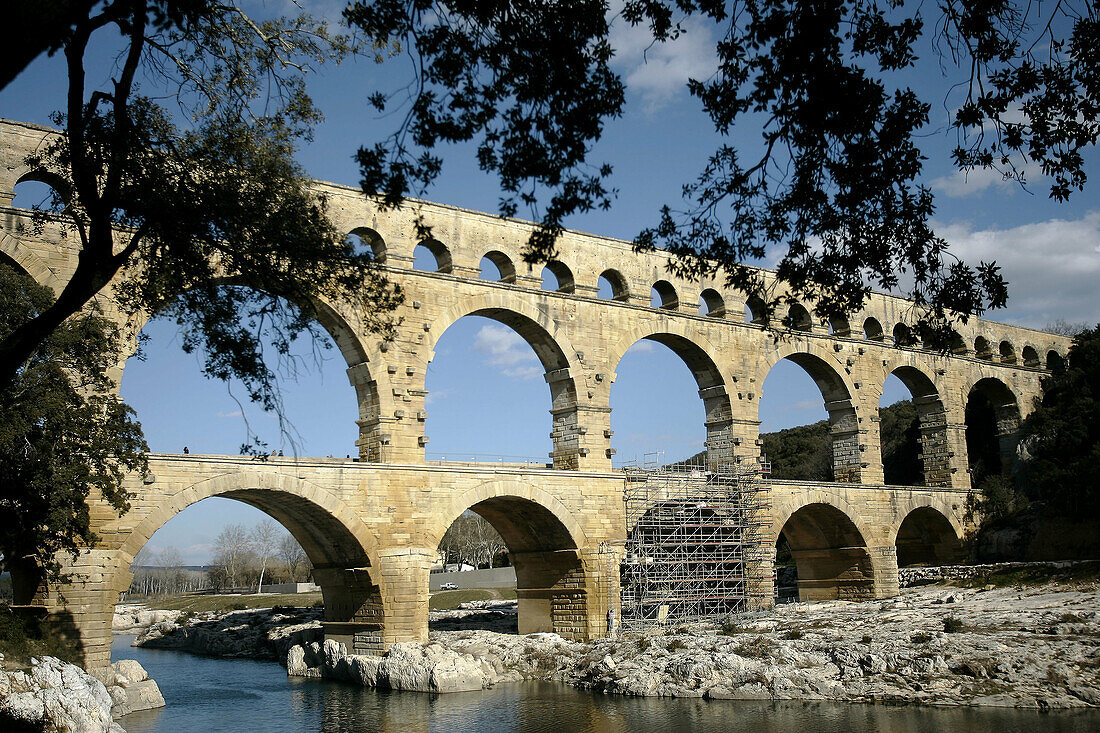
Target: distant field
(446, 600)
(230, 602)
(443, 600)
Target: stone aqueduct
(372, 526)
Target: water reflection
(213, 695)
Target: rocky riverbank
(1032, 647)
(55, 695)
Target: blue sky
(1049, 253)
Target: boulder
(59, 696)
(132, 689)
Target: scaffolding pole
(696, 535)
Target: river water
(241, 696)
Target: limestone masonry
(372, 526)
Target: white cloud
(438, 395)
(643, 346)
(235, 413)
(506, 349)
(660, 71)
(1052, 267)
(969, 183)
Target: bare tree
(472, 540)
(292, 556)
(1066, 328)
(265, 543)
(232, 553)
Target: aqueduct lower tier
(372, 532)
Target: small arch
(663, 295)
(43, 190)
(497, 266)
(1008, 352)
(839, 326)
(1031, 356)
(927, 537)
(612, 286)
(365, 238)
(958, 344)
(903, 336)
(755, 311)
(872, 330)
(429, 252)
(558, 278)
(711, 304)
(830, 554)
(798, 318)
(982, 348)
(1055, 361)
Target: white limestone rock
(132, 689)
(59, 695)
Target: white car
(448, 586)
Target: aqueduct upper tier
(371, 527)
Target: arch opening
(798, 318)
(711, 304)
(927, 538)
(872, 330)
(839, 326)
(904, 336)
(365, 239)
(992, 425)
(755, 311)
(1008, 352)
(913, 431)
(318, 404)
(251, 527)
(829, 555)
(663, 295)
(558, 278)
(798, 447)
(1030, 356)
(549, 580)
(432, 256)
(655, 405)
(612, 286)
(982, 349)
(1055, 361)
(498, 267)
(485, 366)
(41, 191)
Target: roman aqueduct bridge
(371, 526)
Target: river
(240, 696)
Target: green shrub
(952, 625)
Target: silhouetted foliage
(217, 198)
(899, 431)
(63, 434)
(832, 185)
(1062, 434)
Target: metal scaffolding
(695, 533)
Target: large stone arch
(516, 310)
(337, 542)
(21, 256)
(929, 533)
(544, 540)
(928, 395)
(986, 399)
(697, 354)
(830, 549)
(839, 395)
